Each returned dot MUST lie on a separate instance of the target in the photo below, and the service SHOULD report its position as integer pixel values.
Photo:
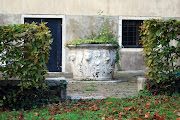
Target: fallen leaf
(127, 108)
(147, 105)
(177, 112)
(178, 118)
(94, 108)
(103, 118)
(133, 81)
(36, 114)
(114, 109)
(147, 115)
(135, 118)
(108, 103)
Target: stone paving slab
(97, 90)
(124, 84)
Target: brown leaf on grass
(147, 115)
(177, 112)
(50, 118)
(36, 114)
(127, 108)
(114, 109)
(147, 105)
(108, 103)
(178, 118)
(157, 116)
(109, 118)
(103, 118)
(135, 118)
(94, 108)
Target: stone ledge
(57, 86)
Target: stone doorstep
(94, 81)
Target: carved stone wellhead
(92, 61)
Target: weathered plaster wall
(83, 26)
(163, 8)
(132, 61)
(10, 19)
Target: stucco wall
(10, 19)
(132, 61)
(163, 8)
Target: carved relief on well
(95, 64)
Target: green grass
(143, 106)
(90, 89)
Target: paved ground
(124, 84)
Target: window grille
(130, 33)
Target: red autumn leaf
(147, 105)
(178, 118)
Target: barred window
(130, 33)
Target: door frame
(63, 17)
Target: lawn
(142, 106)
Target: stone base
(141, 81)
(57, 87)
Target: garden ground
(137, 107)
(124, 84)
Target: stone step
(59, 74)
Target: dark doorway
(55, 24)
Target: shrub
(24, 53)
(161, 56)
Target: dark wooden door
(55, 24)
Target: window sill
(131, 49)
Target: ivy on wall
(160, 54)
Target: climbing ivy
(161, 55)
